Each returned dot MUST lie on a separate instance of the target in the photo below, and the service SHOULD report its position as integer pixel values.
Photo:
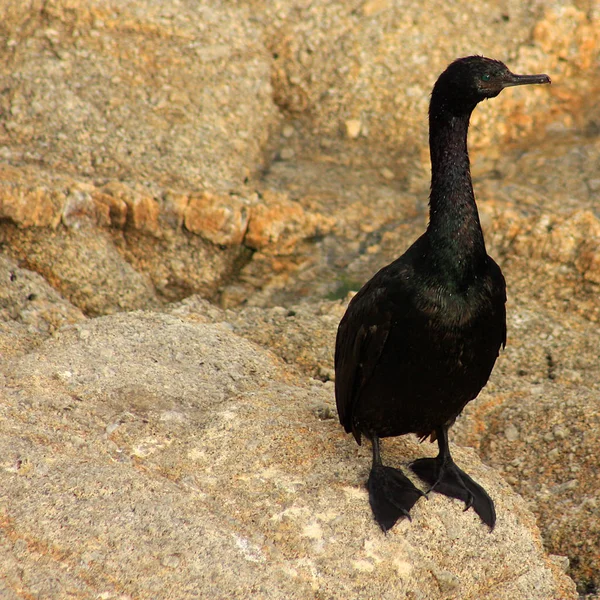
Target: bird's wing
(499, 290)
(361, 337)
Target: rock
(287, 153)
(302, 335)
(562, 248)
(288, 131)
(280, 224)
(372, 7)
(219, 220)
(179, 447)
(131, 207)
(113, 208)
(511, 433)
(556, 32)
(370, 73)
(556, 476)
(353, 127)
(84, 265)
(30, 310)
(387, 173)
(142, 91)
(504, 423)
(140, 149)
(31, 207)
(545, 388)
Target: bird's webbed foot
(446, 478)
(391, 495)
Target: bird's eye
(485, 77)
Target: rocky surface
(30, 310)
(536, 421)
(152, 455)
(236, 171)
(152, 91)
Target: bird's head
(472, 79)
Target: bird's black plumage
(420, 339)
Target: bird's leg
(446, 462)
(444, 477)
(391, 493)
(376, 452)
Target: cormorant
(420, 339)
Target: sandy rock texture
(127, 90)
(189, 194)
(535, 421)
(151, 455)
(30, 310)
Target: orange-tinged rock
(219, 219)
(111, 208)
(142, 210)
(173, 209)
(569, 34)
(82, 207)
(281, 222)
(31, 207)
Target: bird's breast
(454, 308)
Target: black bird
(420, 339)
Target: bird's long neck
(455, 236)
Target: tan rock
(173, 207)
(121, 91)
(556, 476)
(30, 309)
(279, 224)
(173, 98)
(81, 207)
(31, 207)
(353, 127)
(142, 210)
(84, 264)
(567, 33)
(219, 219)
(112, 208)
(372, 7)
(563, 248)
(178, 444)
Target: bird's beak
(512, 79)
